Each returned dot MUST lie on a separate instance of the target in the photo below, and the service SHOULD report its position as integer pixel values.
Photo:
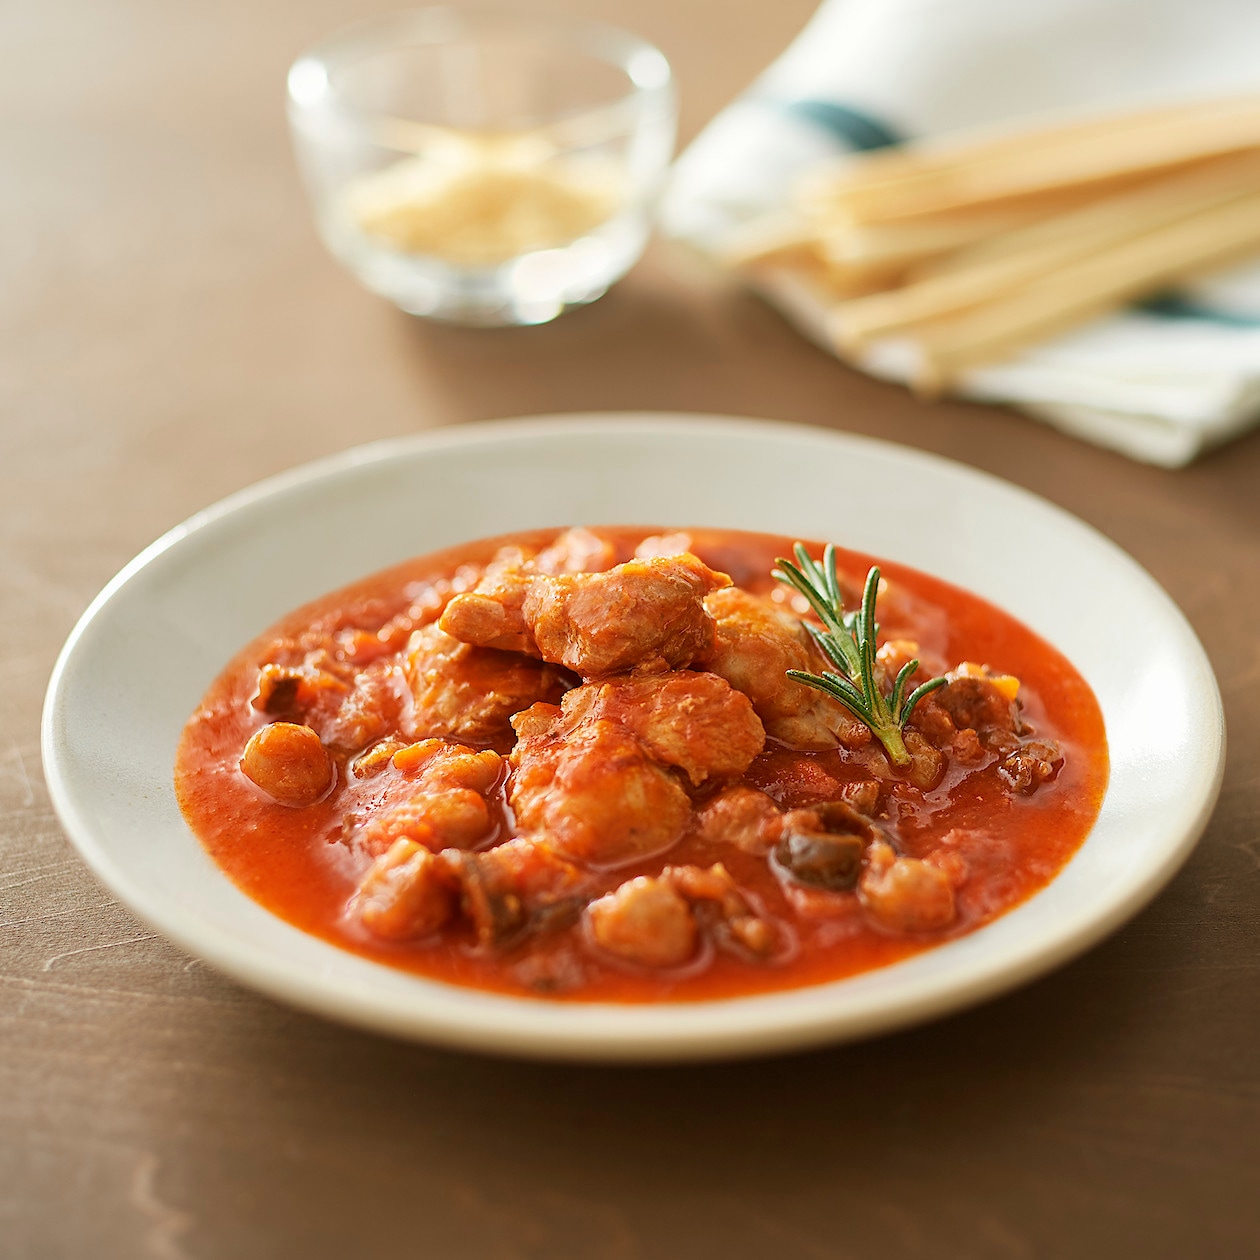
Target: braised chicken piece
(644, 613)
(743, 817)
(659, 921)
(490, 615)
(577, 550)
(656, 545)
(904, 894)
(471, 692)
(726, 913)
(646, 922)
(407, 893)
(757, 642)
(436, 797)
(456, 817)
(523, 885)
(641, 614)
(289, 763)
(371, 709)
(604, 752)
(694, 721)
(593, 789)
(438, 764)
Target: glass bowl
(483, 166)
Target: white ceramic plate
(145, 651)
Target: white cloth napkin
(1161, 382)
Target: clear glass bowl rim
(310, 81)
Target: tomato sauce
(1006, 845)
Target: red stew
(575, 767)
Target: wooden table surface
(172, 331)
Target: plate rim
(487, 1031)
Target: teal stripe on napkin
(1174, 306)
(856, 129)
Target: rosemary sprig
(847, 640)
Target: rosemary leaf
(849, 641)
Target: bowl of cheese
(483, 166)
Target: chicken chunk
(437, 797)
(490, 615)
(658, 921)
(646, 612)
(440, 765)
(656, 545)
(471, 692)
(522, 885)
(904, 894)
(757, 643)
(641, 614)
(725, 911)
(743, 817)
(645, 922)
(594, 790)
(372, 707)
(407, 893)
(289, 763)
(411, 892)
(458, 817)
(694, 721)
(577, 550)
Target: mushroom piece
(822, 846)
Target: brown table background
(171, 331)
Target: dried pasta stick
(1041, 249)
(997, 329)
(1107, 215)
(910, 241)
(1056, 159)
(826, 187)
(782, 241)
